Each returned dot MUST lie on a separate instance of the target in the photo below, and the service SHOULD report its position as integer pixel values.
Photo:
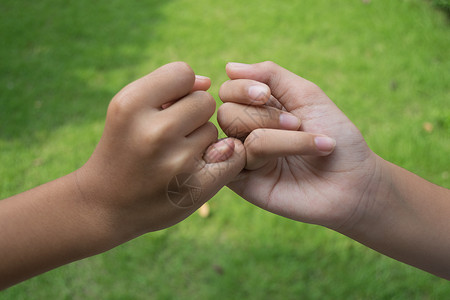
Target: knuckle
(227, 118)
(184, 161)
(121, 106)
(208, 101)
(212, 130)
(254, 143)
(183, 73)
(223, 90)
(183, 69)
(269, 64)
(178, 161)
(274, 71)
(203, 96)
(224, 114)
(268, 117)
(158, 133)
(230, 121)
(311, 89)
(201, 100)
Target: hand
(287, 170)
(148, 172)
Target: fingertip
(234, 67)
(260, 94)
(183, 69)
(237, 65)
(239, 150)
(244, 91)
(224, 114)
(167, 83)
(201, 83)
(201, 77)
(325, 144)
(289, 121)
(167, 105)
(215, 175)
(219, 151)
(222, 90)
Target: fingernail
(200, 77)
(325, 143)
(258, 92)
(289, 121)
(220, 151)
(236, 65)
(166, 105)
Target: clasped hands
(282, 129)
(290, 151)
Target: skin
(352, 190)
(156, 128)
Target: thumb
(224, 161)
(263, 145)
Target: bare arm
(407, 218)
(49, 226)
(156, 129)
(350, 189)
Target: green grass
(385, 64)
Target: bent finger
(202, 83)
(219, 151)
(167, 83)
(290, 89)
(215, 175)
(189, 113)
(244, 91)
(238, 120)
(200, 139)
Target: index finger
(167, 83)
(244, 91)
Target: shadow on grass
(55, 54)
(443, 5)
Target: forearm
(408, 220)
(47, 227)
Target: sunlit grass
(384, 63)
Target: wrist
(405, 217)
(101, 220)
(372, 200)
(49, 226)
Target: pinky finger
(263, 145)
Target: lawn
(385, 63)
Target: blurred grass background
(385, 63)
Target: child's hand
(352, 190)
(284, 173)
(148, 171)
